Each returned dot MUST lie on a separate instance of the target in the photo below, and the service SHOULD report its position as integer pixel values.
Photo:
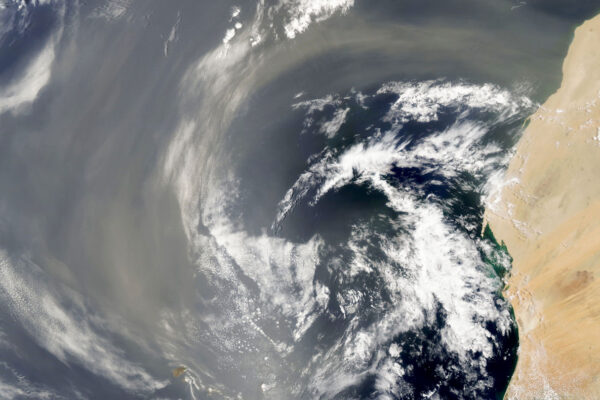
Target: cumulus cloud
(300, 14)
(431, 263)
(422, 101)
(329, 125)
(258, 274)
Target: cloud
(24, 90)
(430, 263)
(302, 13)
(112, 10)
(65, 331)
(21, 92)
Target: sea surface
(282, 197)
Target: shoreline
(547, 212)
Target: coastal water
(283, 197)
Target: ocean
(283, 197)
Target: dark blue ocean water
(284, 197)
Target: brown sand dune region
(547, 212)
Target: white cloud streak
(68, 337)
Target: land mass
(547, 212)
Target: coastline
(547, 212)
